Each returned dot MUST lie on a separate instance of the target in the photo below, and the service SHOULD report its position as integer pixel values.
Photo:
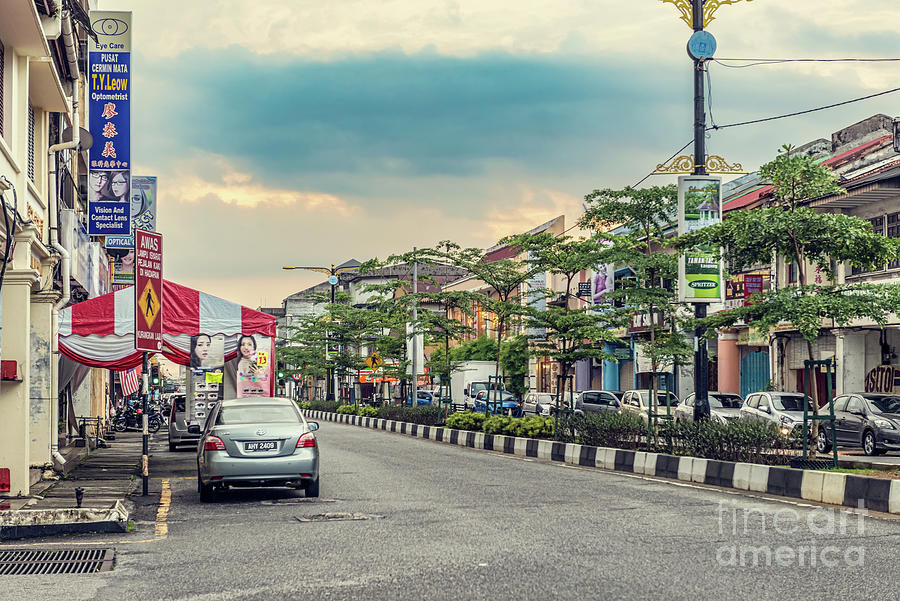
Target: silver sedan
(257, 442)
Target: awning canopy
(100, 332)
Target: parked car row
(869, 421)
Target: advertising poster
(699, 269)
(143, 210)
(109, 121)
(122, 266)
(205, 375)
(254, 367)
(602, 284)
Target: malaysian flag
(130, 381)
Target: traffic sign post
(148, 291)
(148, 306)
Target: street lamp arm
(325, 270)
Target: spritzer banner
(109, 121)
(699, 269)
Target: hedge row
(737, 440)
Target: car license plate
(261, 445)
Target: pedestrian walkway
(106, 475)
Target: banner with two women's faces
(109, 121)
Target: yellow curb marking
(162, 513)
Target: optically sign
(109, 121)
(699, 268)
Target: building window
(793, 272)
(30, 141)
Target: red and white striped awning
(100, 332)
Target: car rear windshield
(179, 405)
(885, 404)
(724, 402)
(256, 414)
(791, 403)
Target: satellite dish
(85, 139)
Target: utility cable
(807, 111)
(754, 62)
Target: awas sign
(147, 291)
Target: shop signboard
(109, 121)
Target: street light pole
(333, 272)
(701, 360)
(415, 341)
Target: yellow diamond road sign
(149, 304)
(374, 361)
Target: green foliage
(306, 405)
(478, 349)
(737, 440)
(347, 409)
(330, 406)
(467, 420)
(366, 411)
(531, 427)
(496, 424)
(514, 361)
(619, 430)
(425, 415)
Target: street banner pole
(145, 456)
(148, 308)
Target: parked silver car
(538, 403)
(723, 407)
(637, 402)
(257, 442)
(784, 409)
(598, 401)
(178, 427)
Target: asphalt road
(452, 523)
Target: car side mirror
(313, 426)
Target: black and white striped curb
(877, 494)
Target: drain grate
(336, 517)
(15, 562)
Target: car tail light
(213, 443)
(306, 440)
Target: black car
(868, 420)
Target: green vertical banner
(699, 268)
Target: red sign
(296, 377)
(147, 291)
(753, 284)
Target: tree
(503, 278)
(642, 220)
(803, 238)
(514, 360)
(565, 331)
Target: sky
(308, 133)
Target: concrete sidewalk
(107, 475)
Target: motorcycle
(132, 418)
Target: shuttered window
(30, 141)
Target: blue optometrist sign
(109, 121)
